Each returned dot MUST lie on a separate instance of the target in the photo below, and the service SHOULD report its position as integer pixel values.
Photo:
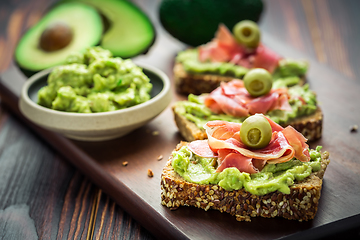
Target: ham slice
(201, 148)
(222, 104)
(233, 159)
(266, 58)
(278, 150)
(264, 103)
(224, 48)
(234, 87)
(274, 126)
(214, 53)
(224, 142)
(233, 99)
(298, 142)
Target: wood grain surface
(55, 201)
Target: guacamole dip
(273, 177)
(95, 82)
(288, 72)
(195, 111)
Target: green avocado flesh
(288, 72)
(273, 177)
(195, 111)
(130, 31)
(95, 82)
(87, 28)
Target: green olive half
(247, 33)
(255, 132)
(258, 82)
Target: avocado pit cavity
(56, 36)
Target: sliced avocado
(86, 30)
(195, 22)
(130, 31)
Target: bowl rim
(25, 96)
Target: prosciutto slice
(233, 99)
(298, 142)
(266, 58)
(229, 158)
(224, 48)
(224, 143)
(201, 148)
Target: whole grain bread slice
(310, 126)
(301, 204)
(186, 83)
(198, 83)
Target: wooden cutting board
(139, 194)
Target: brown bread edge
(301, 204)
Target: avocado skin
(195, 22)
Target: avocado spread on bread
(288, 71)
(273, 177)
(195, 111)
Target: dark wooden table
(42, 195)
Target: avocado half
(87, 28)
(195, 22)
(130, 31)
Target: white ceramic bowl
(95, 126)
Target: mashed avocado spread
(95, 82)
(195, 111)
(287, 73)
(273, 177)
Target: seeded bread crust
(186, 83)
(301, 204)
(310, 126)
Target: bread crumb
(354, 128)
(125, 163)
(155, 133)
(150, 173)
(160, 157)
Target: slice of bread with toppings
(187, 82)
(197, 83)
(310, 126)
(227, 56)
(300, 204)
